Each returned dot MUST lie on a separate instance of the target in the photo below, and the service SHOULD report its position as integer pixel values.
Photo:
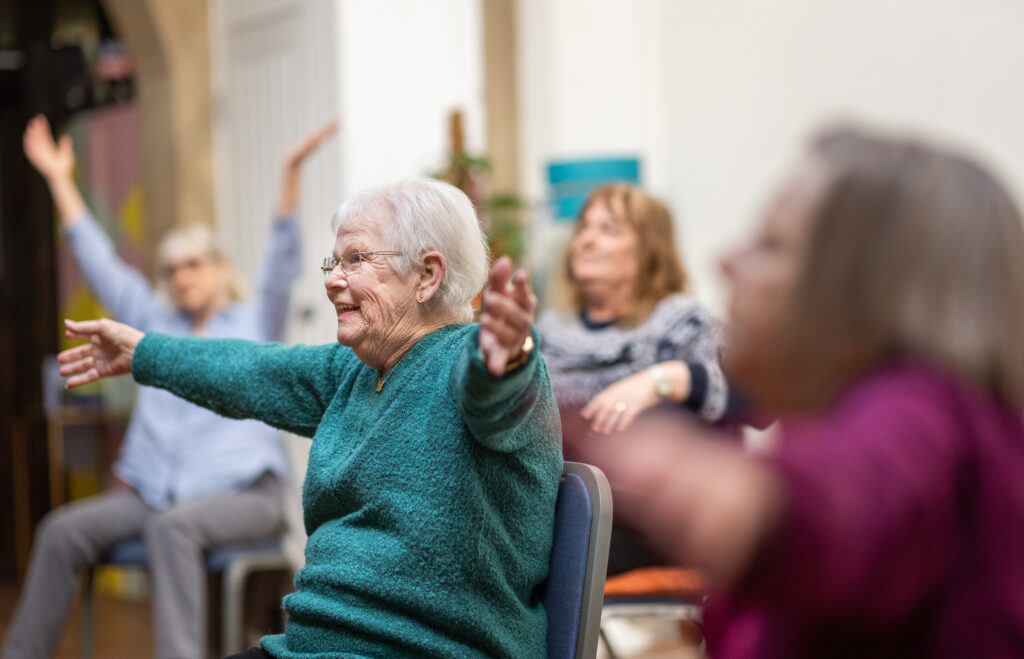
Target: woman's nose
(335, 279)
(584, 237)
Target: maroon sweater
(903, 534)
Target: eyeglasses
(168, 270)
(351, 261)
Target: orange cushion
(656, 582)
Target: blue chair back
(574, 591)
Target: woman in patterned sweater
(632, 339)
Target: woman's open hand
(615, 407)
(109, 351)
(54, 160)
(288, 197)
(619, 403)
(309, 143)
(508, 310)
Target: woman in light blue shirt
(185, 478)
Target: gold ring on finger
(619, 406)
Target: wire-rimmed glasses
(351, 261)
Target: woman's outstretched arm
(286, 387)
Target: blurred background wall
(716, 97)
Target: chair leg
(232, 605)
(608, 645)
(88, 614)
(232, 596)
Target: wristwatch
(523, 357)
(662, 385)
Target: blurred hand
(309, 144)
(54, 160)
(288, 197)
(614, 409)
(508, 313)
(702, 503)
(109, 352)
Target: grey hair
(913, 250)
(189, 240)
(420, 215)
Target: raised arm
(286, 387)
(121, 288)
(291, 174)
(502, 384)
(283, 260)
(55, 162)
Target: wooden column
(501, 94)
(169, 42)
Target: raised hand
(55, 161)
(292, 165)
(508, 313)
(309, 143)
(109, 352)
(51, 159)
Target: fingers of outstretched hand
(90, 375)
(78, 365)
(75, 354)
(503, 309)
(500, 272)
(522, 292)
(82, 329)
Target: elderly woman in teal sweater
(430, 493)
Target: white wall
(717, 96)
(405, 64)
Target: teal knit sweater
(429, 506)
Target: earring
(419, 297)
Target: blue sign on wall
(572, 180)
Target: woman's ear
(433, 269)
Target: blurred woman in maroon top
(880, 312)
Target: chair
(234, 561)
(573, 592)
(665, 593)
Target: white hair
(420, 215)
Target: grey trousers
(74, 536)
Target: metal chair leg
(232, 596)
(88, 614)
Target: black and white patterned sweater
(585, 358)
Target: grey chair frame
(232, 599)
(597, 556)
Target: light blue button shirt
(173, 450)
